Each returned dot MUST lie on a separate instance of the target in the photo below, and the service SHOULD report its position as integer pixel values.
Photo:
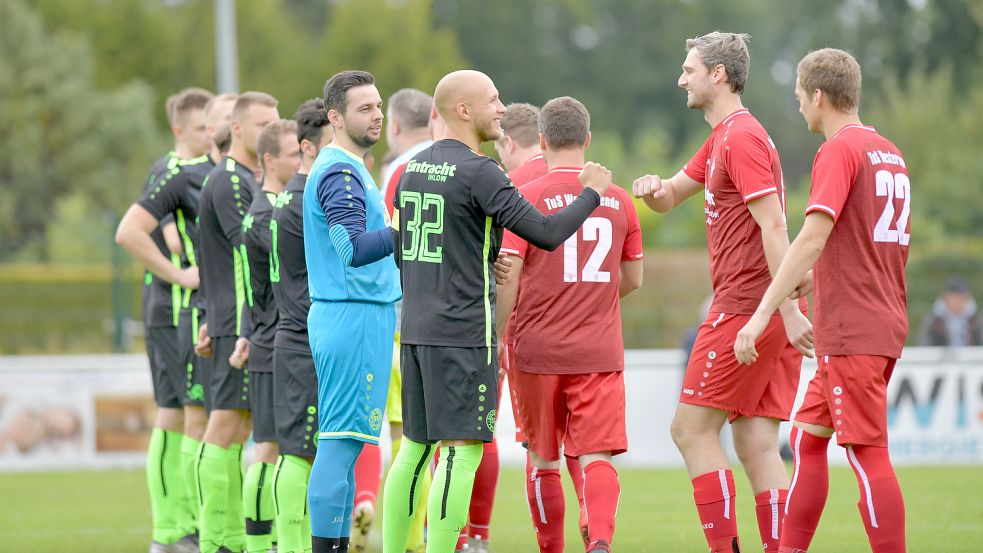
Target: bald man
(451, 206)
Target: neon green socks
(403, 487)
(293, 521)
(188, 515)
(257, 504)
(212, 473)
(165, 483)
(235, 522)
(450, 496)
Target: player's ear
(463, 111)
(335, 118)
(542, 142)
(587, 142)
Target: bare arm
(631, 277)
(507, 294)
(133, 234)
(663, 195)
(171, 238)
(799, 259)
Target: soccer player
(452, 206)
(279, 156)
(568, 370)
(226, 195)
(294, 378)
(519, 147)
(142, 232)
(740, 175)
(855, 238)
(353, 286)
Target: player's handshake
(648, 185)
(595, 176)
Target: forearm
(140, 245)
(358, 249)
(171, 238)
(774, 240)
(548, 232)
(507, 295)
(798, 260)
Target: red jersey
(737, 164)
(861, 180)
(579, 281)
(530, 170)
(391, 187)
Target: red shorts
(584, 413)
(715, 379)
(506, 364)
(849, 394)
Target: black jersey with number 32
(452, 204)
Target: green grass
(108, 512)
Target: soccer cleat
(599, 546)
(187, 544)
(361, 525)
(477, 545)
(180, 546)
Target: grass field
(107, 512)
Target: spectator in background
(954, 320)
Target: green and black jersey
(160, 299)
(225, 198)
(288, 266)
(176, 194)
(255, 248)
(453, 204)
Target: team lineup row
(279, 274)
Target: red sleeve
(747, 157)
(632, 249)
(833, 173)
(696, 167)
(512, 244)
(391, 187)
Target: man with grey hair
(740, 174)
(407, 128)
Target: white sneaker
(361, 525)
(477, 545)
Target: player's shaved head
(460, 87)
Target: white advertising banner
(62, 412)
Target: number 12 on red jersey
(594, 229)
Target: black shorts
(448, 393)
(261, 393)
(165, 366)
(192, 387)
(295, 401)
(226, 386)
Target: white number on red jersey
(893, 185)
(595, 229)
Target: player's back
(288, 266)
(579, 280)
(861, 179)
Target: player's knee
(751, 448)
(329, 495)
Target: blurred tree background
(82, 85)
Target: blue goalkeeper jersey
(347, 240)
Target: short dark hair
(564, 122)
(836, 73)
(269, 138)
(337, 87)
(412, 107)
(311, 119)
(521, 123)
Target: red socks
(714, 493)
(368, 472)
(807, 494)
(483, 493)
(577, 475)
(601, 494)
(769, 506)
(881, 503)
(544, 491)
